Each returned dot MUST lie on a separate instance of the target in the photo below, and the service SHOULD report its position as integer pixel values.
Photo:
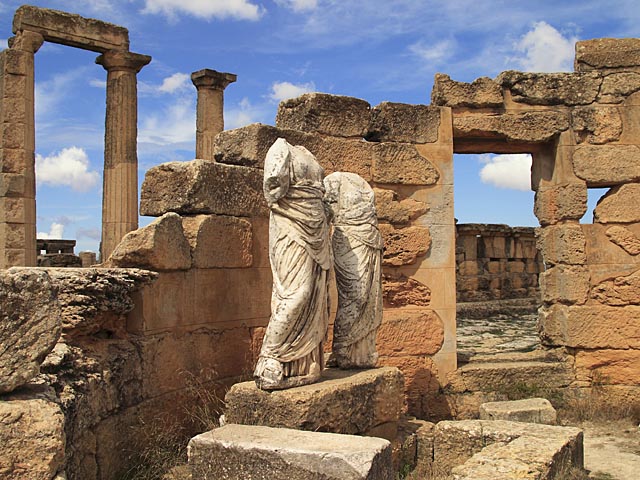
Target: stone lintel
(235, 452)
(70, 29)
(343, 401)
(114, 60)
(213, 79)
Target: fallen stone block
(609, 54)
(241, 452)
(481, 93)
(531, 410)
(344, 401)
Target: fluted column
(17, 151)
(210, 111)
(120, 181)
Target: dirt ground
(611, 448)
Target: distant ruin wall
(496, 262)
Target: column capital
(123, 60)
(27, 41)
(212, 79)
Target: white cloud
(93, 233)
(298, 5)
(96, 82)
(245, 113)
(435, 52)
(174, 124)
(545, 49)
(284, 90)
(511, 171)
(69, 167)
(205, 9)
(176, 82)
(55, 232)
(50, 93)
(3, 43)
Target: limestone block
(248, 145)
(530, 410)
(625, 239)
(70, 29)
(161, 245)
(616, 87)
(410, 333)
(607, 54)
(30, 324)
(400, 291)
(17, 62)
(556, 203)
(402, 163)
(202, 187)
(14, 160)
(401, 122)
(455, 442)
(551, 88)
(219, 241)
(596, 125)
(562, 244)
(13, 135)
(335, 115)
(344, 401)
(15, 185)
(403, 246)
(619, 291)
(608, 366)
(398, 212)
(32, 438)
(238, 452)
(481, 93)
(419, 374)
(619, 205)
(565, 284)
(607, 165)
(533, 126)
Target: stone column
(210, 115)
(17, 151)
(120, 181)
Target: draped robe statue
(357, 248)
(300, 255)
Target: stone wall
(496, 262)
(583, 130)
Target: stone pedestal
(120, 184)
(358, 402)
(210, 110)
(238, 452)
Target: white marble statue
(300, 254)
(357, 249)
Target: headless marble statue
(300, 255)
(357, 249)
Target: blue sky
(377, 50)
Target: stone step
(530, 410)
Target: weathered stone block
(403, 246)
(551, 88)
(410, 333)
(607, 54)
(70, 29)
(530, 410)
(401, 122)
(596, 125)
(614, 367)
(17, 62)
(30, 324)
(335, 115)
(13, 135)
(619, 205)
(248, 145)
(620, 291)
(13, 160)
(202, 187)
(481, 93)
(219, 241)
(161, 245)
(15, 185)
(556, 203)
(565, 284)
(344, 401)
(238, 452)
(400, 291)
(607, 165)
(616, 87)
(398, 212)
(419, 375)
(32, 438)
(531, 127)
(562, 244)
(403, 164)
(625, 239)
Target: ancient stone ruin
(91, 359)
